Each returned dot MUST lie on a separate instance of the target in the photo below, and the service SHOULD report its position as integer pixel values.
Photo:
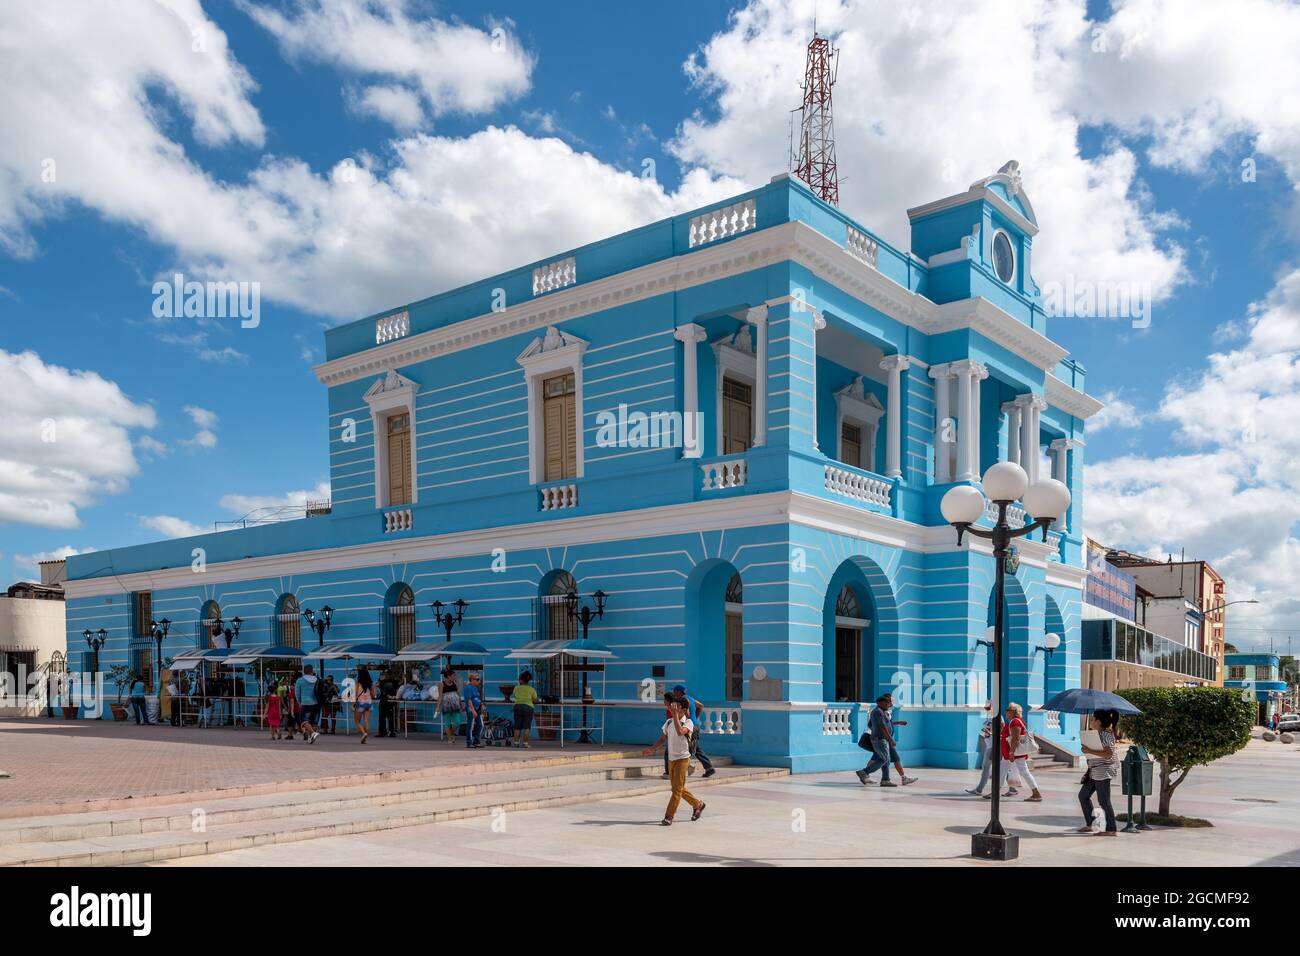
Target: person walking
(695, 710)
(474, 711)
(449, 705)
(327, 696)
(363, 698)
(882, 739)
(273, 710)
(173, 689)
(984, 743)
(894, 758)
(1015, 754)
(289, 710)
(305, 690)
(524, 698)
(1103, 767)
(388, 703)
(676, 733)
(137, 701)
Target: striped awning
(188, 660)
(541, 650)
(428, 650)
(246, 655)
(369, 650)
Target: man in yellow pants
(677, 734)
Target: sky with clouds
(350, 156)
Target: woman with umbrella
(1103, 767)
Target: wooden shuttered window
(143, 613)
(559, 427)
(851, 445)
(399, 459)
(737, 416)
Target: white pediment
(391, 384)
(552, 341)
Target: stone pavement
(830, 820)
(82, 764)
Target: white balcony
(399, 520)
(555, 275)
(724, 473)
(392, 327)
(721, 223)
(558, 497)
(858, 484)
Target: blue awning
(370, 650)
(246, 655)
(428, 650)
(188, 660)
(541, 650)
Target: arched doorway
(209, 629)
(399, 617)
(555, 623)
(715, 633)
(287, 626)
(1054, 678)
(851, 665)
(1017, 656)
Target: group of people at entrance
(1017, 747)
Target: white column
(691, 335)
(819, 323)
(978, 374)
(1028, 435)
(1012, 411)
(942, 375)
(757, 317)
(1034, 408)
(1060, 451)
(964, 371)
(894, 365)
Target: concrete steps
(167, 831)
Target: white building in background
(32, 632)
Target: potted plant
(120, 674)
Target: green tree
(1183, 727)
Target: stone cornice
(1069, 399)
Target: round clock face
(1004, 258)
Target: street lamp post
(320, 623)
(584, 616)
(160, 629)
(449, 619)
(962, 505)
(95, 641)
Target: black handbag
(865, 742)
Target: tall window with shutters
(399, 459)
(851, 444)
(737, 416)
(142, 610)
(560, 427)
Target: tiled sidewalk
(74, 762)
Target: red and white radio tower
(815, 161)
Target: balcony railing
(720, 720)
(837, 721)
(559, 497)
(1119, 641)
(723, 473)
(399, 520)
(861, 485)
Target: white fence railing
(855, 484)
(861, 246)
(724, 474)
(1052, 719)
(555, 275)
(721, 223)
(399, 520)
(558, 497)
(837, 721)
(392, 327)
(720, 720)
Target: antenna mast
(814, 162)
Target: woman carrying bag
(1017, 747)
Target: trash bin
(1136, 772)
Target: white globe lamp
(962, 504)
(1005, 481)
(1047, 498)
(1051, 641)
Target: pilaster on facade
(690, 335)
(894, 365)
(757, 317)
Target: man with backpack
(327, 695)
(694, 710)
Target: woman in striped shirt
(1103, 767)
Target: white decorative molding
(392, 393)
(856, 405)
(734, 358)
(837, 721)
(861, 247)
(399, 520)
(853, 484)
(1009, 177)
(554, 352)
(729, 473)
(558, 497)
(720, 223)
(1069, 399)
(794, 241)
(389, 328)
(739, 511)
(555, 275)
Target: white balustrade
(555, 275)
(720, 720)
(861, 246)
(837, 721)
(1015, 514)
(392, 327)
(1052, 719)
(853, 484)
(724, 474)
(399, 520)
(558, 497)
(721, 223)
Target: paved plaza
(821, 819)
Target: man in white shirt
(677, 734)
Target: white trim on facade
(555, 352)
(859, 407)
(393, 392)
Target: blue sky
(1131, 153)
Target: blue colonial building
(736, 423)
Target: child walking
(677, 734)
(273, 711)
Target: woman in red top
(1013, 729)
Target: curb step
(362, 816)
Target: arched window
(288, 622)
(560, 626)
(846, 605)
(401, 617)
(733, 602)
(209, 629)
